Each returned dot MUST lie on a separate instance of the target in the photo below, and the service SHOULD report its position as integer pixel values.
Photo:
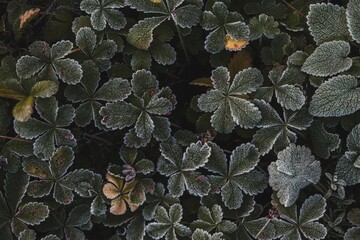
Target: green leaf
(327, 22)
(312, 209)
(276, 52)
(287, 86)
(103, 12)
(27, 234)
(200, 234)
(260, 228)
(78, 216)
(222, 23)
(277, 133)
(322, 142)
(28, 66)
(136, 229)
(328, 59)
(113, 117)
(168, 223)
(348, 167)
(211, 219)
(15, 186)
(181, 167)
(147, 6)
(186, 16)
(115, 89)
(50, 62)
(336, 97)
(353, 216)
(163, 53)
(50, 133)
(141, 59)
(353, 19)
(61, 160)
(295, 169)
(236, 177)
(289, 225)
(352, 233)
(263, 25)
(33, 213)
(100, 52)
(141, 34)
(143, 81)
(226, 99)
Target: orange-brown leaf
(233, 44)
(110, 191)
(27, 16)
(203, 82)
(117, 181)
(118, 206)
(240, 61)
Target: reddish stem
(15, 139)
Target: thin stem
(293, 8)
(263, 228)
(75, 50)
(183, 43)
(98, 138)
(16, 139)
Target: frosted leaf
(327, 22)
(338, 96)
(353, 19)
(295, 169)
(328, 59)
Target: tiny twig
(182, 43)
(16, 139)
(263, 228)
(98, 138)
(293, 8)
(75, 50)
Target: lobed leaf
(288, 174)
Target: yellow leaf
(8, 93)
(35, 171)
(23, 109)
(156, 1)
(27, 16)
(44, 89)
(203, 82)
(232, 44)
(240, 61)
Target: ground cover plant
(179, 119)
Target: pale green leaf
(141, 34)
(295, 169)
(353, 19)
(336, 97)
(322, 142)
(327, 22)
(328, 59)
(33, 213)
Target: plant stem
(16, 139)
(293, 8)
(75, 50)
(183, 43)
